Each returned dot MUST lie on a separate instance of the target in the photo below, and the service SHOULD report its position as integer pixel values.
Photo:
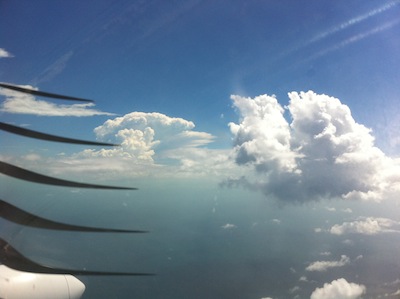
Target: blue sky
(278, 111)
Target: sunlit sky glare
(289, 104)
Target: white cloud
(263, 136)
(20, 103)
(339, 289)
(228, 226)
(395, 282)
(348, 242)
(293, 290)
(5, 54)
(32, 157)
(322, 266)
(277, 221)
(156, 144)
(139, 133)
(303, 279)
(170, 135)
(366, 225)
(322, 153)
(152, 144)
(397, 293)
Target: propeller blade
(10, 257)
(38, 135)
(23, 174)
(42, 93)
(16, 215)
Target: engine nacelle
(24, 285)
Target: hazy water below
(204, 242)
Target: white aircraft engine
(25, 285)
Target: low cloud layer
(321, 266)
(339, 288)
(322, 153)
(21, 103)
(367, 226)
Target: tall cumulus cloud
(139, 133)
(322, 153)
(154, 140)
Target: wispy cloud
(355, 38)
(54, 69)
(352, 22)
(339, 288)
(5, 54)
(345, 25)
(366, 226)
(20, 103)
(322, 153)
(321, 266)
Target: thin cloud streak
(54, 69)
(338, 28)
(355, 38)
(352, 22)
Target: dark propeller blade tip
(42, 93)
(27, 175)
(10, 257)
(19, 216)
(38, 135)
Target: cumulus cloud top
(322, 153)
(20, 103)
(366, 225)
(263, 136)
(322, 266)
(151, 144)
(161, 123)
(339, 289)
(139, 133)
(158, 145)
